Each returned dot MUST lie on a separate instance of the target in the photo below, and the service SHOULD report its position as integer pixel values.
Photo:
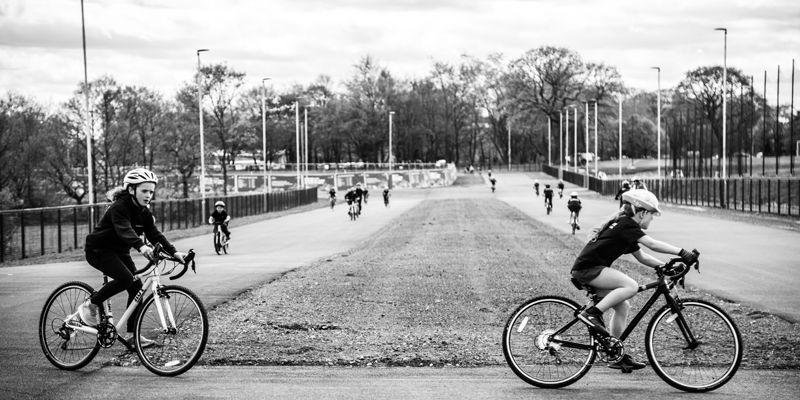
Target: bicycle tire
(705, 367)
(174, 352)
(217, 246)
(532, 357)
(79, 348)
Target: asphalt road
(264, 250)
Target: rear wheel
(177, 347)
(539, 355)
(64, 346)
(217, 238)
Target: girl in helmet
(622, 234)
(220, 216)
(624, 187)
(574, 206)
(119, 229)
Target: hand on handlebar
(180, 256)
(689, 257)
(147, 252)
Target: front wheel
(217, 239)
(545, 345)
(64, 346)
(176, 321)
(696, 350)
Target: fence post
(778, 195)
(22, 231)
(75, 227)
(2, 239)
(769, 196)
(58, 221)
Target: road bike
(221, 242)
(353, 211)
(536, 189)
(573, 221)
(171, 316)
(332, 200)
(386, 200)
(692, 344)
(560, 193)
(548, 205)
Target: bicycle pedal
(626, 370)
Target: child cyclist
(220, 217)
(108, 246)
(622, 234)
(548, 195)
(574, 206)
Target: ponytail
(627, 210)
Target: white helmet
(219, 203)
(139, 175)
(573, 194)
(641, 198)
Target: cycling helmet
(358, 184)
(573, 194)
(635, 179)
(139, 175)
(536, 181)
(219, 203)
(626, 183)
(641, 198)
(547, 185)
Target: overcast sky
(152, 43)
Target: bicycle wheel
(224, 246)
(65, 347)
(217, 246)
(704, 365)
(531, 354)
(178, 347)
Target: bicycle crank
(612, 349)
(106, 335)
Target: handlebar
(160, 255)
(676, 269)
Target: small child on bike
(574, 206)
(622, 234)
(494, 182)
(548, 196)
(108, 246)
(220, 217)
(560, 188)
(536, 186)
(386, 195)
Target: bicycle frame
(662, 288)
(152, 282)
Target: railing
(778, 196)
(38, 231)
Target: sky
(153, 43)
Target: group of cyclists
(128, 219)
(355, 195)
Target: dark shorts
(584, 276)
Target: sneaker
(627, 364)
(594, 318)
(90, 313)
(146, 342)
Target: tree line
(461, 112)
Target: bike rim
(705, 367)
(78, 347)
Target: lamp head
(722, 29)
(201, 50)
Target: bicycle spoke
(65, 347)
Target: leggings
(120, 268)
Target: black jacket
(121, 225)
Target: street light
(264, 132)
(86, 124)
(575, 142)
(658, 111)
(305, 146)
(724, 104)
(297, 140)
(586, 117)
(560, 142)
(549, 144)
(595, 138)
(619, 147)
(202, 143)
(391, 113)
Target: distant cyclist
(494, 182)
(332, 196)
(574, 206)
(622, 234)
(548, 196)
(638, 183)
(624, 187)
(359, 196)
(536, 186)
(220, 217)
(386, 195)
(560, 188)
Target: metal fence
(38, 231)
(777, 196)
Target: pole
(575, 142)
(724, 117)
(508, 126)
(87, 124)
(595, 138)
(297, 140)
(791, 126)
(549, 143)
(658, 118)
(586, 133)
(619, 146)
(566, 138)
(305, 147)
(560, 142)
(264, 131)
(764, 130)
(202, 142)
(777, 119)
(391, 113)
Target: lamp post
(297, 140)
(87, 125)
(264, 132)
(595, 138)
(658, 112)
(724, 106)
(202, 143)
(566, 138)
(549, 144)
(305, 146)
(575, 142)
(560, 142)
(586, 117)
(391, 113)
(619, 147)
(508, 126)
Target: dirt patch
(434, 288)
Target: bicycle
(548, 205)
(573, 221)
(692, 344)
(332, 200)
(353, 211)
(220, 240)
(172, 316)
(560, 193)
(386, 200)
